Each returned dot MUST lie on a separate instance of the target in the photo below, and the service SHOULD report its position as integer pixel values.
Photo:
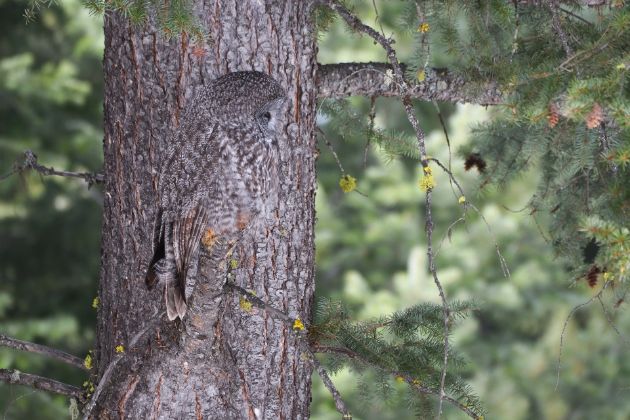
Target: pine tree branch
(376, 79)
(315, 348)
(15, 377)
(413, 382)
(62, 356)
(30, 162)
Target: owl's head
(247, 96)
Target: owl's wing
(181, 220)
(159, 250)
(187, 234)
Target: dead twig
(386, 43)
(30, 162)
(339, 404)
(15, 377)
(14, 343)
(566, 324)
(112, 365)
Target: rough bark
(222, 361)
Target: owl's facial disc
(268, 119)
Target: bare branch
(339, 404)
(399, 79)
(445, 307)
(566, 324)
(12, 376)
(375, 79)
(336, 157)
(372, 117)
(30, 162)
(62, 356)
(503, 263)
(610, 320)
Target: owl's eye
(266, 116)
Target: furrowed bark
(377, 79)
(222, 361)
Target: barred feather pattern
(220, 172)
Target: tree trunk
(223, 361)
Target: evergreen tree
(557, 73)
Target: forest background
(370, 246)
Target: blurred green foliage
(50, 102)
(371, 254)
(370, 250)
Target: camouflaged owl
(219, 172)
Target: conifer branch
(15, 377)
(30, 162)
(413, 382)
(375, 79)
(316, 348)
(62, 356)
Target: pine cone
(553, 117)
(595, 117)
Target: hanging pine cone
(553, 117)
(595, 117)
(593, 275)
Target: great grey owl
(219, 171)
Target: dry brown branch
(30, 162)
(15, 377)
(62, 356)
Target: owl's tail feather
(175, 303)
(159, 253)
